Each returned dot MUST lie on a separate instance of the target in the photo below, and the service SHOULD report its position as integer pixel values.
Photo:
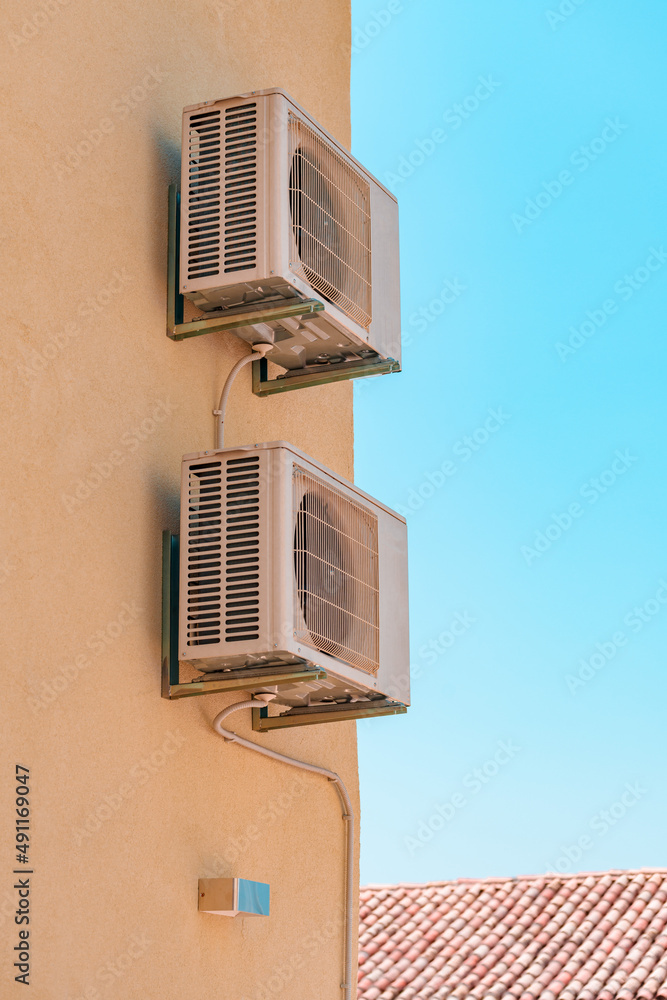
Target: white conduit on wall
(348, 818)
(259, 350)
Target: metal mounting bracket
(261, 384)
(178, 330)
(262, 722)
(247, 679)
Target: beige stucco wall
(133, 797)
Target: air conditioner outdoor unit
(274, 210)
(283, 562)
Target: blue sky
(525, 436)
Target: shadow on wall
(166, 171)
(165, 505)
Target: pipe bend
(258, 351)
(348, 818)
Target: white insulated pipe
(259, 350)
(348, 818)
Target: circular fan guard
(320, 239)
(322, 567)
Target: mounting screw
(202, 893)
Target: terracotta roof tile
(549, 937)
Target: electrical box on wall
(274, 211)
(233, 897)
(285, 566)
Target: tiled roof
(549, 937)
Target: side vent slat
(242, 550)
(223, 552)
(205, 527)
(240, 188)
(204, 152)
(222, 191)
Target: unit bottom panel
(330, 689)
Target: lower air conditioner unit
(284, 562)
(273, 211)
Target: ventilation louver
(223, 554)
(204, 565)
(242, 550)
(273, 211)
(240, 188)
(204, 154)
(285, 564)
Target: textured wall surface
(133, 797)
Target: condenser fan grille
(331, 223)
(336, 573)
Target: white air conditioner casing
(282, 563)
(273, 210)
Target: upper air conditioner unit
(285, 563)
(274, 211)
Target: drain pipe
(348, 818)
(259, 350)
